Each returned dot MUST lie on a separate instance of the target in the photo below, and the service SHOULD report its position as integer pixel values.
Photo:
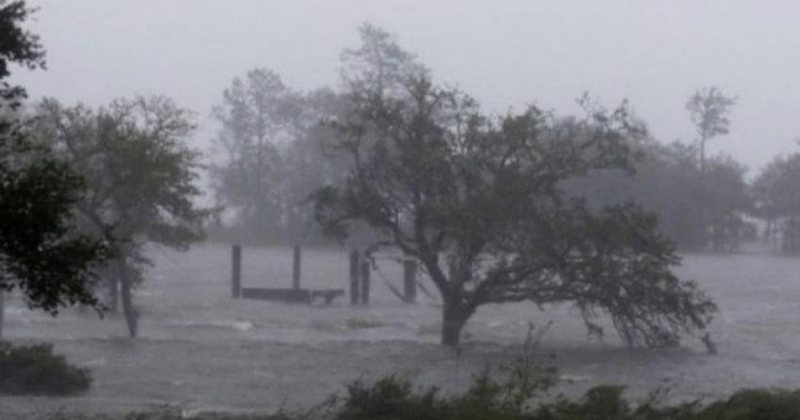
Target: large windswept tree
(480, 202)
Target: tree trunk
(453, 320)
(703, 156)
(131, 316)
(113, 292)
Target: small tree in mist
(257, 114)
(140, 178)
(723, 197)
(272, 157)
(480, 202)
(709, 108)
(41, 253)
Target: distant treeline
(274, 149)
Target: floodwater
(201, 350)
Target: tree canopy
(141, 178)
(272, 157)
(709, 108)
(41, 252)
(480, 201)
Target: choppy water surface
(199, 349)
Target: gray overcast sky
(505, 53)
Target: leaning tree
(481, 203)
(141, 179)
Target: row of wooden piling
(360, 272)
(360, 279)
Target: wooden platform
(307, 296)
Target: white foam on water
(575, 378)
(95, 362)
(18, 312)
(233, 324)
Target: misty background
(258, 315)
(506, 54)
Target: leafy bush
(501, 395)
(35, 370)
(393, 398)
(752, 404)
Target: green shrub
(756, 404)
(35, 370)
(393, 398)
(501, 395)
(388, 398)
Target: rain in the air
(399, 210)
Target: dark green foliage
(17, 45)
(40, 251)
(755, 404)
(394, 398)
(35, 370)
(390, 398)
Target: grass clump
(35, 370)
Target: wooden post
(236, 273)
(131, 315)
(2, 311)
(296, 268)
(365, 268)
(354, 274)
(410, 280)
